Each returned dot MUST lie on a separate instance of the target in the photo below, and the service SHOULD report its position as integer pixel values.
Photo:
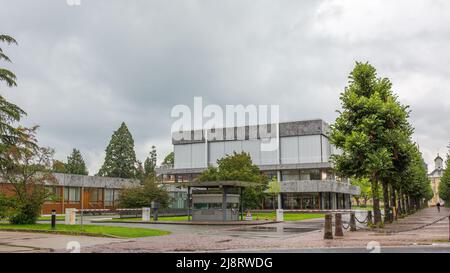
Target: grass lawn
(92, 230)
(49, 218)
(260, 216)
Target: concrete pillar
(70, 218)
(280, 205)
(189, 203)
(338, 225)
(333, 200)
(279, 201)
(280, 216)
(328, 229)
(352, 221)
(224, 203)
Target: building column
(280, 203)
(189, 203)
(224, 203)
(333, 201)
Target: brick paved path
(409, 234)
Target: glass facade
(300, 200)
(295, 175)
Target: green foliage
(239, 167)
(23, 164)
(150, 163)
(6, 75)
(120, 157)
(169, 160)
(75, 163)
(5, 206)
(417, 186)
(59, 167)
(366, 189)
(28, 171)
(143, 196)
(444, 185)
(374, 135)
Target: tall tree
(120, 159)
(75, 163)
(23, 164)
(10, 114)
(150, 163)
(444, 185)
(367, 130)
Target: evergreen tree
(10, 114)
(75, 163)
(120, 157)
(140, 173)
(150, 163)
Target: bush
(26, 214)
(5, 206)
(143, 196)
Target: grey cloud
(82, 70)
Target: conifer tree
(120, 159)
(75, 163)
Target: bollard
(369, 218)
(338, 225)
(352, 221)
(328, 232)
(53, 219)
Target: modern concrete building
(435, 179)
(295, 153)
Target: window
(290, 175)
(54, 193)
(109, 197)
(95, 195)
(72, 194)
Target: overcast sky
(82, 70)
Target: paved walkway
(421, 229)
(44, 242)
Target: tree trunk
(399, 200)
(376, 202)
(387, 208)
(393, 203)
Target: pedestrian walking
(438, 206)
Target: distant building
(300, 161)
(435, 179)
(81, 191)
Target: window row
(73, 195)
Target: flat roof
(218, 184)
